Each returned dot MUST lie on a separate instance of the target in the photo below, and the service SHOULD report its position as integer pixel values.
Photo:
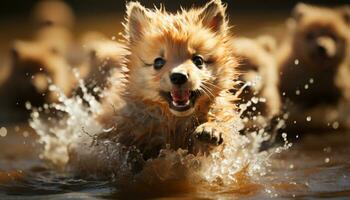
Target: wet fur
(133, 105)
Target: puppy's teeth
(174, 103)
(178, 105)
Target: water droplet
(35, 114)
(25, 134)
(335, 125)
(326, 160)
(284, 135)
(296, 62)
(3, 131)
(255, 100)
(28, 105)
(308, 118)
(327, 149)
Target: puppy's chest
(142, 126)
(150, 134)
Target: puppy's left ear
(345, 12)
(213, 16)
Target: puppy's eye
(158, 63)
(310, 36)
(198, 61)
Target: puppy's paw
(209, 134)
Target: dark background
(250, 18)
(10, 8)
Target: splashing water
(71, 141)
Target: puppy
(175, 87)
(259, 97)
(314, 67)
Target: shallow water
(317, 167)
(39, 164)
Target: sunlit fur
(134, 106)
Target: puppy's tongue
(180, 95)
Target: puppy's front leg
(209, 133)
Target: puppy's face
(321, 34)
(179, 60)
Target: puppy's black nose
(178, 78)
(322, 51)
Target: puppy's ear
(213, 16)
(137, 20)
(16, 52)
(345, 12)
(299, 11)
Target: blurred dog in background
(315, 68)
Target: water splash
(3, 132)
(71, 141)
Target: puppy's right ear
(299, 11)
(213, 16)
(137, 20)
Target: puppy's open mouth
(181, 99)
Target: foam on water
(70, 141)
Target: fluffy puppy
(176, 86)
(53, 12)
(50, 54)
(314, 67)
(105, 57)
(33, 64)
(259, 97)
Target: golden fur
(133, 104)
(53, 12)
(258, 67)
(103, 57)
(33, 62)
